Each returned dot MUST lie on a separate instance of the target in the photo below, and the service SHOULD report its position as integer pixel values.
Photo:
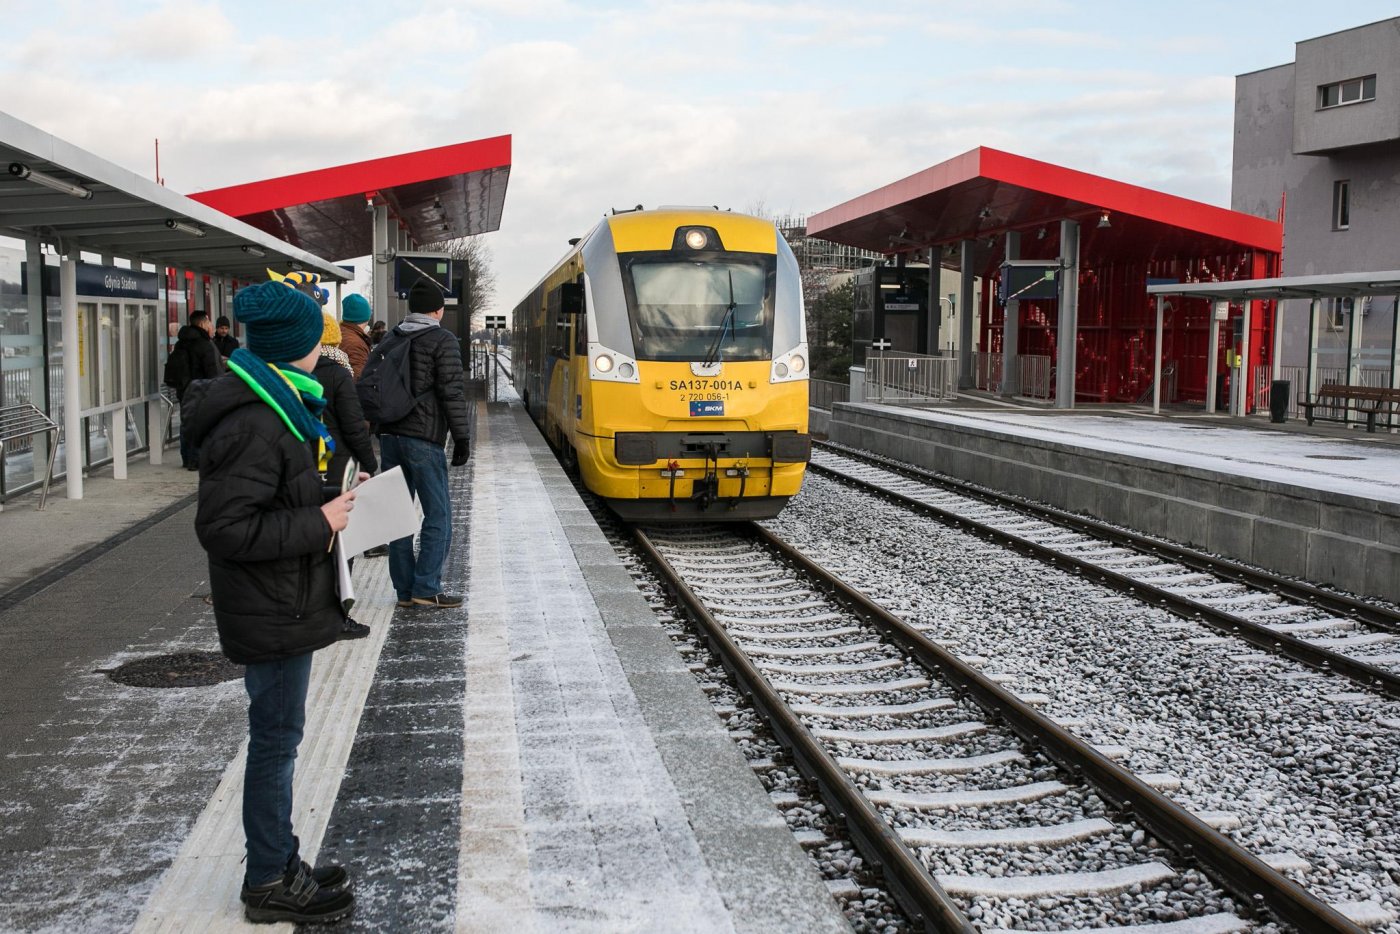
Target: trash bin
(1278, 400)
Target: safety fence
(903, 378)
(824, 393)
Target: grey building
(1318, 141)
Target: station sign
(97, 281)
(495, 322)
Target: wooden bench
(1371, 401)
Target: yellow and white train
(665, 358)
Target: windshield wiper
(712, 355)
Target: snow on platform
(1365, 466)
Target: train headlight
(696, 239)
(782, 370)
(603, 363)
(797, 362)
(626, 370)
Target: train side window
(560, 340)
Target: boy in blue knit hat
(267, 528)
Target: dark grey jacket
(438, 381)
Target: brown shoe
(442, 601)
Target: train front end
(695, 398)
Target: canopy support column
(1314, 322)
(1011, 330)
(72, 390)
(1213, 354)
(383, 265)
(967, 345)
(1395, 344)
(935, 309)
(1157, 363)
(1244, 373)
(1067, 335)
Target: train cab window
(688, 309)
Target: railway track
(977, 806)
(1326, 631)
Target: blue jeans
(276, 715)
(425, 471)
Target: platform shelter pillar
(1395, 343)
(72, 388)
(1157, 362)
(1239, 385)
(966, 341)
(382, 264)
(1011, 330)
(1213, 353)
(1067, 332)
(1314, 322)
(1354, 324)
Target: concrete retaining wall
(1326, 537)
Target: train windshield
(718, 307)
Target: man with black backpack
(193, 357)
(414, 392)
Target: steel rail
(1371, 677)
(1331, 601)
(1234, 867)
(909, 881)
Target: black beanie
(223, 322)
(424, 298)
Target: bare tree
(479, 280)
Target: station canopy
(57, 192)
(984, 193)
(436, 194)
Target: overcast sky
(793, 107)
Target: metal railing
(824, 393)
(986, 369)
(26, 421)
(1036, 374)
(910, 378)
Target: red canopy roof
(438, 194)
(985, 192)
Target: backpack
(177, 367)
(385, 386)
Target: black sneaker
(443, 601)
(378, 551)
(296, 897)
(329, 876)
(350, 629)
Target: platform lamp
(20, 170)
(1104, 222)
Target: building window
(1337, 311)
(1341, 204)
(1353, 91)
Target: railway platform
(541, 759)
(1319, 502)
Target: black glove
(461, 450)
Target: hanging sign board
(95, 281)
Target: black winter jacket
(201, 357)
(345, 420)
(436, 363)
(260, 520)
